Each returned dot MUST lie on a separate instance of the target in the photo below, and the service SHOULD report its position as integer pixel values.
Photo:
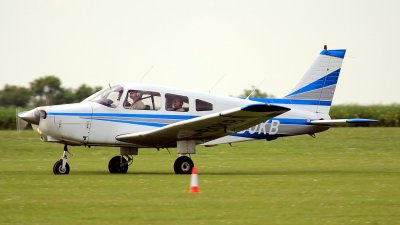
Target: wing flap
(207, 127)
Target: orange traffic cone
(194, 182)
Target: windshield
(109, 97)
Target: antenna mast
(145, 74)
(255, 87)
(216, 83)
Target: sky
(217, 46)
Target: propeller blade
(20, 123)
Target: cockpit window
(203, 105)
(178, 103)
(109, 97)
(142, 100)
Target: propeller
(23, 119)
(20, 123)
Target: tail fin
(318, 84)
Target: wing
(207, 127)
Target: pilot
(176, 104)
(137, 103)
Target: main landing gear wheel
(118, 164)
(183, 165)
(58, 169)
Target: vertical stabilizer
(318, 84)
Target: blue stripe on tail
(326, 81)
(335, 53)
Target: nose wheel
(59, 169)
(61, 166)
(183, 165)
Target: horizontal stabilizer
(342, 121)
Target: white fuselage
(93, 123)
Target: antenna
(255, 87)
(252, 92)
(109, 85)
(145, 74)
(215, 84)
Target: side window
(203, 105)
(178, 103)
(142, 100)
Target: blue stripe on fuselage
(290, 121)
(134, 122)
(119, 118)
(291, 101)
(124, 115)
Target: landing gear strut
(61, 166)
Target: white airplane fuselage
(91, 123)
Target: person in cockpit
(136, 97)
(176, 104)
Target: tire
(183, 165)
(57, 168)
(115, 166)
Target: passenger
(137, 103)
(176, 104)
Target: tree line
(46, 90)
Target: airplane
(137, 115)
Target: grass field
(344, 176)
